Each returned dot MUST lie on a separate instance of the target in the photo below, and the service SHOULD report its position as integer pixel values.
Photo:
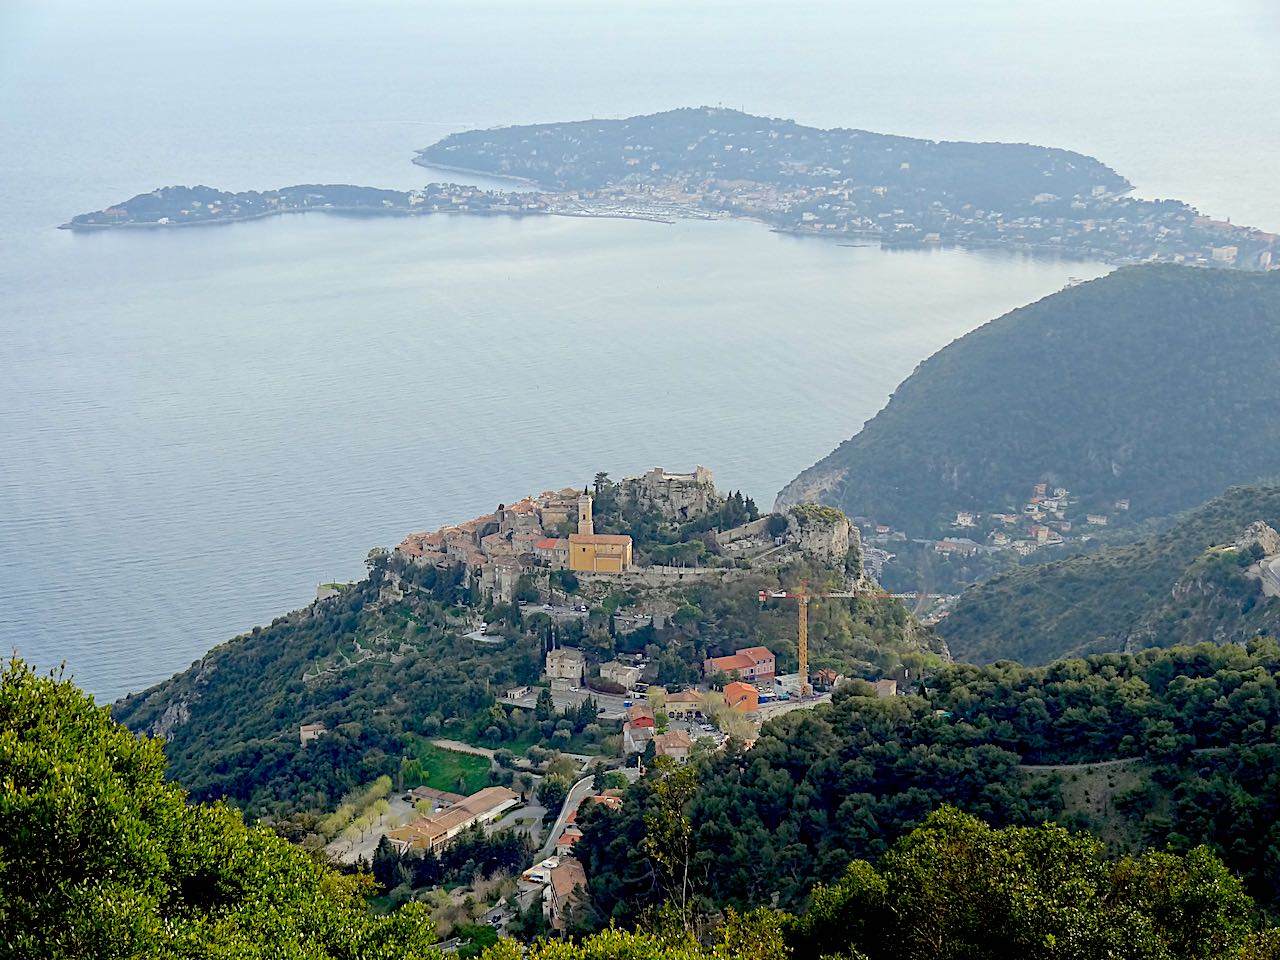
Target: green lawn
(441, 769)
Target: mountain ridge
(1187, 583)
(1154, 385)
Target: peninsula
(713, 163)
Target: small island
(713, 163)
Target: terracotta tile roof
(735, 661)
(639, 711)
(566, 877)
(550, 543)
(672, 740)
(759, 653)
(427, 793)
(684, 696)
(599, 538)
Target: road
(778, 707)
(1270, 570)
(577, 793)
(459, 747)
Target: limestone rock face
(1263, 535)
(175, 715)
(823, 533)
(677, 496)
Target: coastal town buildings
(623, 674)
(675, 744)
(566, 888)
(535, 533)
(635, 737)
(684, 705)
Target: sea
(197, 426)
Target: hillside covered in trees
(1004, 743)
(384, 671)
(101, 857)
(1159, 590)
(1155, 384)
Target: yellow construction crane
(802, 596)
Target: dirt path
(457, 746)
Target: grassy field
(449, 770)
(1091, 789)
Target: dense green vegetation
(100, 857)
(473, 854)
(1155, 384)
(447, 770)
(693, 142)
(1159, 590)
(841, 782)
(386, 674)
(231, 721)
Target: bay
(197, 426)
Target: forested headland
(1155, 385)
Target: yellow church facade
(599, 553)
(591, 552)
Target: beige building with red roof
(675, 744)
(749, 663)
(433, 832)
(684, 705)
(552, 551)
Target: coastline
(841, 240)
(419, 161)
(358, 212)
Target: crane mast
(802, 644)
(802, 596)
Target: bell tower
(586, 526)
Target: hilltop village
(619, 686)
(556, 532)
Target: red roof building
(749, 663)
(741, 696)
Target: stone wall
(756, 528)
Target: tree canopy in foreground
(100, 857)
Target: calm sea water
(197, 426)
